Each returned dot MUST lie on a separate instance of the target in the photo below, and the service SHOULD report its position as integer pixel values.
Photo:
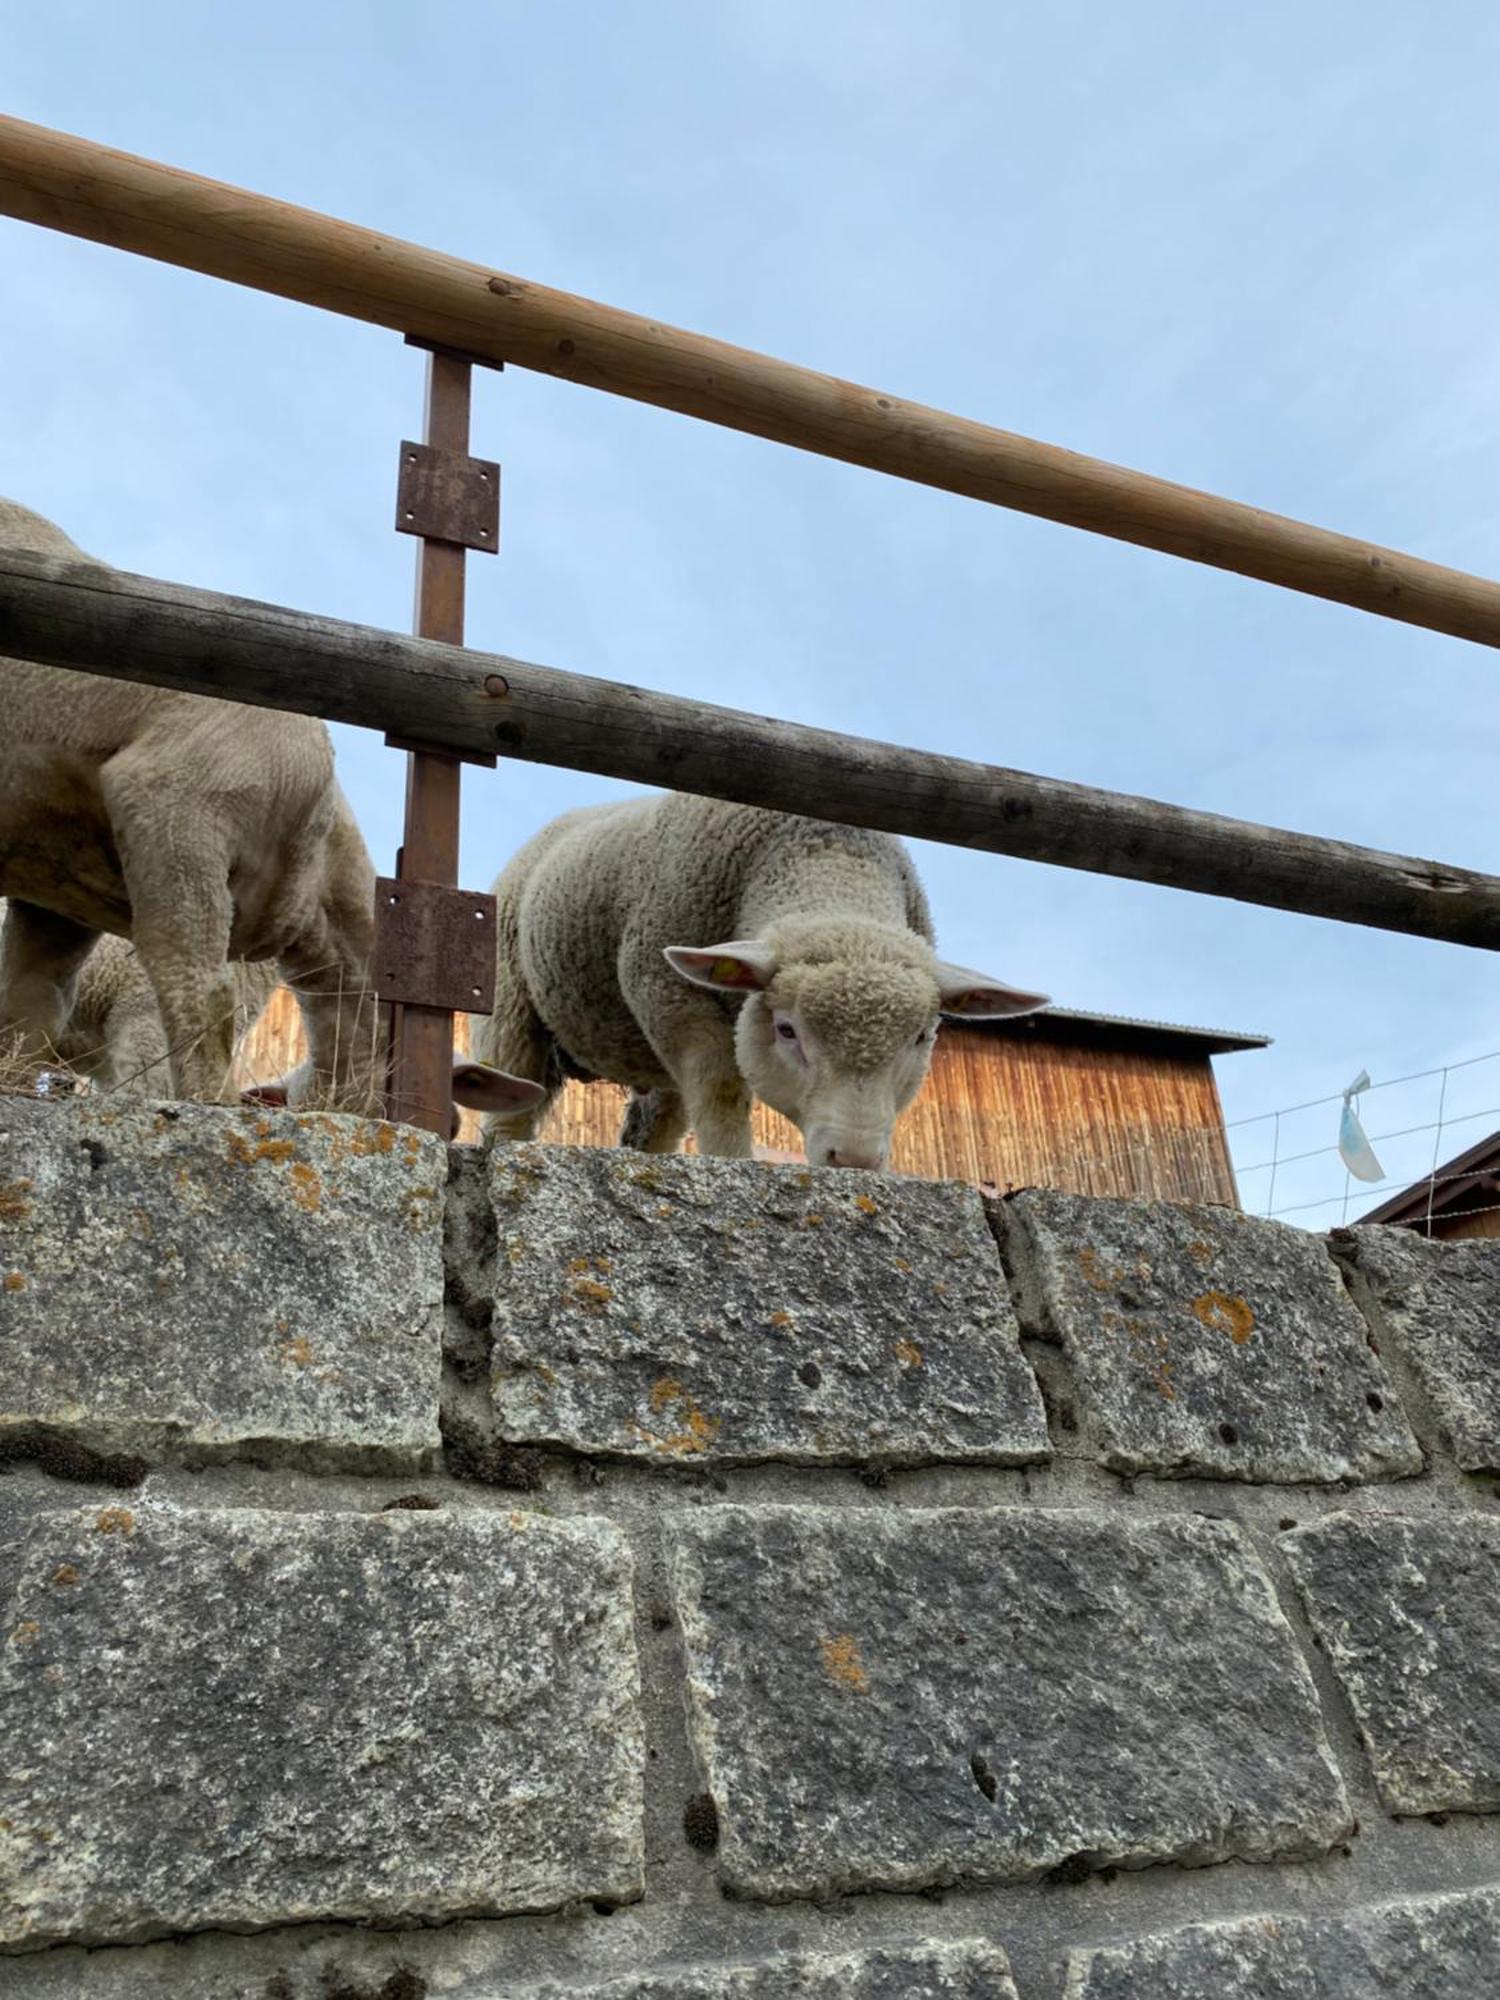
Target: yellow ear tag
(729, 972)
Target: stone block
(694, 1311)
(970, 1969)
(1206, 1342)
(192, 1282)
(1439, 1305)
(249, 1718)
(1409, 1615)
(908, 1698)
(1439, 1948)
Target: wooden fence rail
(103, 621)
(157, 211)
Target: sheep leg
(714, 1096)
(41, 956)
(181, 913)
(513, 1037)
(346, 1028)
(655, 1121)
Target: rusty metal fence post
(435, 944)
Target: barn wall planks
(999, 1109)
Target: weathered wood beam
(157, 211)
(80, 615)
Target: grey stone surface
(184, 1280)
(1440, 1948)
(245, 1718)
(684, 1310)
(900, 1699)
(968, 1970)
(1203, 1341)
(1408, 1612)
(1440, 1305)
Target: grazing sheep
(829, 967)
(113, 1033)
(205, 831)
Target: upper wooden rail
(79, 614)
(157, 211)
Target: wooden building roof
(1461, 1198)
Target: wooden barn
(1087, 1102)
(1461, 1199)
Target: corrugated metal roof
(1211, 1041)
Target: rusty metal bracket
(453, 353)
(486, 758)
(434, 947)
(446, 496)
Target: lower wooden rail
(103, 621)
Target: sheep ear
(978, 998)
(746, 966)
(273, 1091)
(477, 1087)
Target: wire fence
(1428, 1116)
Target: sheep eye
(786, 1031)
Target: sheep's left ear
(477, 1087)
(746, 966)
(978, 998)
(275, 1090)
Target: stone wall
(571, 1572)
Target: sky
(1253, 250)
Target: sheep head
(838, 1023)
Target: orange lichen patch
(865, 1205)
(782, 1319)
(65, 1573)
(588, 1295)
(1088, 1263)
(841, 1662)
(298, 1352)
(1162, 1376)
(25, 1634)
(244, 1154)
(1106, 1277)
(1226, 1312)
(114, 1521)
(812, 1220)
(14, 1282)
(376, 1136)
(908, 1353)
(14, 1207)
(307, 1187)
(1201, 1252)
(580, 1265)
(365, 1138)
(695, 1432)
(902, 1264)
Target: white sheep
(829, 967)
(113, 1034)
(205, 831)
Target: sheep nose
(845, 1157)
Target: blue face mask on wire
(1354, 1148)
